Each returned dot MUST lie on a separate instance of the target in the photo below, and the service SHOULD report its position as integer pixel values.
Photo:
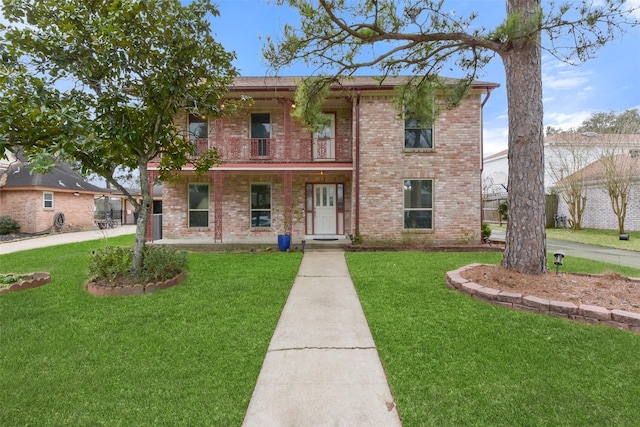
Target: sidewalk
(322, 367)
(62, 238)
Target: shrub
(113, 264)
(110, 263)
(486, 231)
(503, 210)
(8, 225)
(162, 263)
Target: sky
(571, 94)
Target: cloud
(495, 139)
(564, 120)
(565, 79)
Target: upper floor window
(417, 134)
(418, 204)
(198, 127)
(260, 134)
(198, 205)
(47, 200)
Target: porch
(253, 243)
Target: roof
(591, 138)
(61, 178)
(496, 155)
(624, 164)
(355, 82)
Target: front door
(324, 209)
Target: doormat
(328, 239)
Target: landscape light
(558, 259)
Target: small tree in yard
(619, 164)
(619, 170)
(98, 82)
(567, 157)
(422, 37)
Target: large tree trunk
(525, 250)
(143, 217)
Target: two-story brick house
(370, 172)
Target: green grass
(188, 355)
(606, 238)
(455, 361)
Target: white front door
(324, 209)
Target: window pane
(198, 127)
(340, 197)
(47, 200)
(417, 135)
(309, 197)
(261, 125)
(198, 218)
(260, 196)
(418, 219)
(260, 218)
(198, 196)
(418, 194)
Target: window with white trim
(47, 200)
(198, 205)
(260, 205)
(418, 204)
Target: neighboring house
(567, 147)
(598, 212)
(56, 200)
(370, 172)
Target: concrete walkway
(322, 367)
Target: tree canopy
(99, 82)
(424, 38)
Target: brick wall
(26, 207)
(453, 165)
(599, 214)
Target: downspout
(357, 167)
(486, 98)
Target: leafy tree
(626, 122)
(98, 82)
(422, 38)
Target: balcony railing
(275, 150)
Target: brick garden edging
(37, 279)
(583, 313)
(139, 289)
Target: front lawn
(606, 238)
(455, 361)
(188, 355)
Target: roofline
(374, 85)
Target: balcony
(275, 150)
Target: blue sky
(610, 82)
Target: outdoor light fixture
(558, 260)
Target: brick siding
(454, 165)
(26, 207)
(598, 213)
